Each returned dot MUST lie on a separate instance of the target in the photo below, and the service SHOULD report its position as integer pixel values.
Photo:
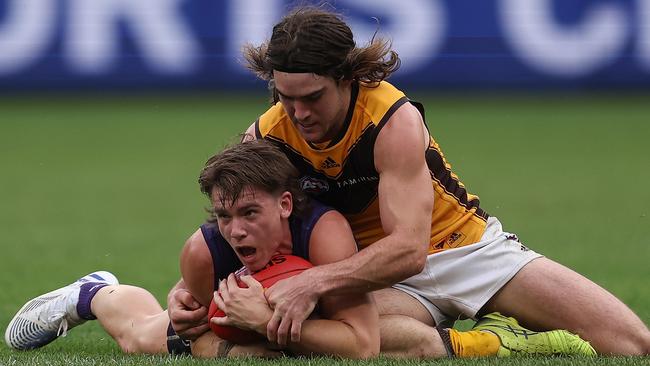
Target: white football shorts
(456, 283)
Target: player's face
(316, 104)
(256, 225)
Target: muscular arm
(350, 324)
(344, 333)
(405, 203)
(189, 299)
(197, 268)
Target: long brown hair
(256, 163)
(310, 39)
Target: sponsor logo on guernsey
(352, 181)
(314, 185)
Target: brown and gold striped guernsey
(343, 174)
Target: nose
(237, 229)
(301, 110)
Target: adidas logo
(329, 163)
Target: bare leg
(405, 327)
(395, 302)
(133, 317)
(546, 295)
(405, 337)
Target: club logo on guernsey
(329, 163)
(452, 241)
(314, 185)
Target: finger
(251, 282)
(187, 300)
(272, 327)
(199, 315)
(268, 293)
(221, 320)
(202, 328)
(218, 300)
(232, 282)
(193, 333)
(296, 328)
(189, 316)
(283, 331)
(223, 290)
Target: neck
(346, 96)
(286, 243)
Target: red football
(280, 267)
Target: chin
(259, 264)
(316, 138)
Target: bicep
(331, 239)
(405, 188)
(196, 268)
(357, 310)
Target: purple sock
(86, 294)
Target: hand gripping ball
(280, 267)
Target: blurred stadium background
(108, 109)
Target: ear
(344, 84)
(286, 204)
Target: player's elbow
(411, 245)
(364, 354)
(413, 257)
(366, 347)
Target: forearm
(380, 265)
(333, 338)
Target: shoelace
(63, 328)
(54, 317)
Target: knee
(633, 344)
(639, 341)
(404, 337)
(640, 347)
(646, 344)
(138, 344)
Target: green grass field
(90, 183)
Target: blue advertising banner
(443, 43)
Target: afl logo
(313, 185)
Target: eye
(312, 98)
(285, 99)
(222, 216)
(250, 213)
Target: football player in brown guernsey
(426, 247)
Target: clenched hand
(293, 300)
(245, 308)
(188, 317)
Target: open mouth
(245, 251)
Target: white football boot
(46, 317)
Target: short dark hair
(310, 39)
(256, 163)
